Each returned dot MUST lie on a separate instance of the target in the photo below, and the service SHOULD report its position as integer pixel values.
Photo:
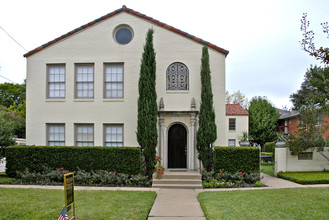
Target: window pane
(114, 81)
(231, 124)
(85, 81)
(84, 135)
(113, 135)
(56, 134)
(56, 81)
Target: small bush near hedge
(236, 159)
(268, 147)
(230, 180)
(81, 177)
(306, 177)
(36, 158)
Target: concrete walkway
(278, 183)
(176, 204)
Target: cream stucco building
(82, 88)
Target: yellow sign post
(69, 192)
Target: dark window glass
(231, 124)
(123, 35)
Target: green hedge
(36, 158)
(321, 177)
(269, 146)
(236, 159)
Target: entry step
(178, 180)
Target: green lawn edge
(293, 203)
(306, 178)
(90, 204)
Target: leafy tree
(307, 43)
(13, 120)
(307, 92)
(12, 94)
(147, 134)
(314, 89)
(11, 123)
(263, 119)
(207, 132)
(236, 98)
(311, 126)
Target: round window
(123, 35)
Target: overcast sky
(262, 36)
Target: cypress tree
(147, 135)
(207, 132)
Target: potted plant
(280, 140)
(244, 139)
(158, 168)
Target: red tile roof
(130, 11)
(235, 109)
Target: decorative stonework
(186, 118)
(177, 77)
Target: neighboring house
(288, 122)
(237, 122)
(82, 88)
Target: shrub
(236, 159)
(269, 146)
(306, 177)
(223, 179)
(36, 158)
(81, 177)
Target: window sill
(55, 100)
(113, 100)
(83, 100)
(177, 91)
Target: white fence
(310, 160)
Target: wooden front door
(177, 146)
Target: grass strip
(306, 177)
(47, 204)
(301, 203)
(267, 169)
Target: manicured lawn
(47, 204)
(6, 180)
(267, 169)
(306, 177)
(305, 203)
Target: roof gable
(135, 13)
(235, 109)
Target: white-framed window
(84, 134)
(231, 124)
(113, 81)
(113, 135)
(231, 142)
(56, 80)
(56, 134)
(84, 81)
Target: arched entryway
(177, 146)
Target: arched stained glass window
(177, 77)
